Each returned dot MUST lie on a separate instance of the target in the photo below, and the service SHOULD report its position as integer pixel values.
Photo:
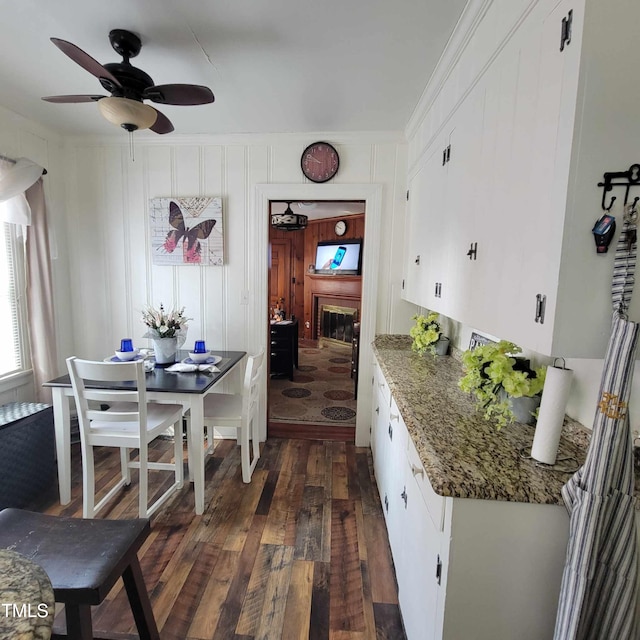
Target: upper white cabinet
(530, 124)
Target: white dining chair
(239, 411)
(130, 422)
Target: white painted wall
(98, 211)
(112, 276)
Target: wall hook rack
(627, 179)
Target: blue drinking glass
(199, 347)
(126, 344)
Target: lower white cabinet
(466, 568)
(417, 559)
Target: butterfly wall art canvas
(187, 231)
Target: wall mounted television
(339, 257)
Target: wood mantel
(346, 290)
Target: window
(12, 318)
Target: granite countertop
(463, 455)
(24, 584)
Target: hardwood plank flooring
(300, 552)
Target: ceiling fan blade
(84, 60)
(179, 94)
(78, 98)
(162, 124)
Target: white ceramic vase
(165, 350)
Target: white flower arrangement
(165, 325)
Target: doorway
(317, 398)
(258, 277)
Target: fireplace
(336, 323)
(320, 291)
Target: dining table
(186, 388)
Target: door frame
(258, 270)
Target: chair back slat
(108, 395)
(113, 416)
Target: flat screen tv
(339, 257)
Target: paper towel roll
(551, 415)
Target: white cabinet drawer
(434, 502)
(381, 387)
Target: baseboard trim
(311, 431)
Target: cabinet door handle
(403, 495)
(417, 471)
(439, 569)
(386, 503)
(378, 410)
(541, 303)
(417, 260)
(565, 30)
(390, 432)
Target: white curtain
(40, 294)
(22, 202)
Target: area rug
(322, 390)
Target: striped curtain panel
(599, 583)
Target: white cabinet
(419, 566)
(389, 443)
(424, 254)
(379, 426)
(466, 568)
(533, 132)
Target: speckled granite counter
(464, 455)
(25, 585)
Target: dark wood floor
(301, 552)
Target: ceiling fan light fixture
(129, 114)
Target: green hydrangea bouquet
(425, 332)
(494, 373)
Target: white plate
(209, 360)
(116, 359)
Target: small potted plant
(427, 335)
(497, 377)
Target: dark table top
(161, 380)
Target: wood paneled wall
(295, 305)
(303, 253)
(318, 231)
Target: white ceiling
(274, 66)
(319, 209)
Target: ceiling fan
(129, 87)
